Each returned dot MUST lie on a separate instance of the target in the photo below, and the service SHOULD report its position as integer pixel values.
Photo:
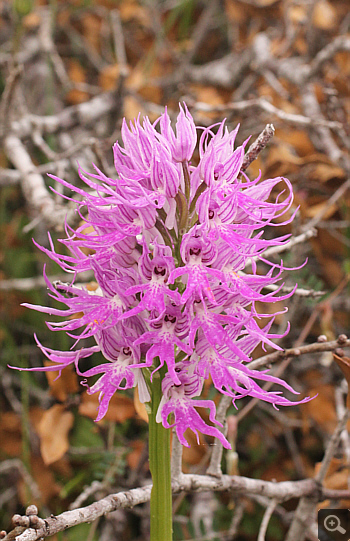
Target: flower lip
(159, 270)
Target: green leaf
(79, 532)
(85, 433)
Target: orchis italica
(168, 240)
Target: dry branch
(33, 185)
(308, 504)
(316, 347)
(82, 114)
(269, 108)
(280, 492)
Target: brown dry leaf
(324, 16)
(63, 15)
(207, 94)
(266, 91)
(301, 46)
(325, 248)
(282, 160)
(298, 139)
(284, 153)
(276, 472)
(44, 477)
(344, 365)
(61, 387)
(253, 440)
(133, 458)
(139, 406)
(120, 408)
(324, 172)
(151, 92)
(321, 409)
(76, 74)
(330, 245)
(91, 29)
(10, 433)
(265, 3)
(35, 415)
(130, 9)
(132, 108)
(297, 14)
(234, 12)
(108, 77)
(332, 270)
(31, 21)
(337, 474)
(315, 210)
(53, 430)
(256, 167)
(140, 81)
(343, 61)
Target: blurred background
(70, 71)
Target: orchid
(178, 399)
(168, 241)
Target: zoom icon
(333, 524)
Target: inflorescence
(168, 242)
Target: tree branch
(308, 504)
(316, 347)
(82, 114)
(282, 491)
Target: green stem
(187, 179)
(159, 460)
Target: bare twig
(266, 519)
(325, 142)
(34, 189)
(17, 464)
(308, 504)
(13, 176)
(340, 408)
(83, 114)
(88, 491)
(316, 347)
(340, 192)
(7, 97)
(119, 44)
(214, 467)
(225, 72)
(340, 43)
(199, 34)
(141, 495)
(300, 292)
(48, 46)
(268, 107)
(331, 448)
(282, 491)
(260, 143)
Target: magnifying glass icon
(332, 524)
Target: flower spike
(168, 241)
